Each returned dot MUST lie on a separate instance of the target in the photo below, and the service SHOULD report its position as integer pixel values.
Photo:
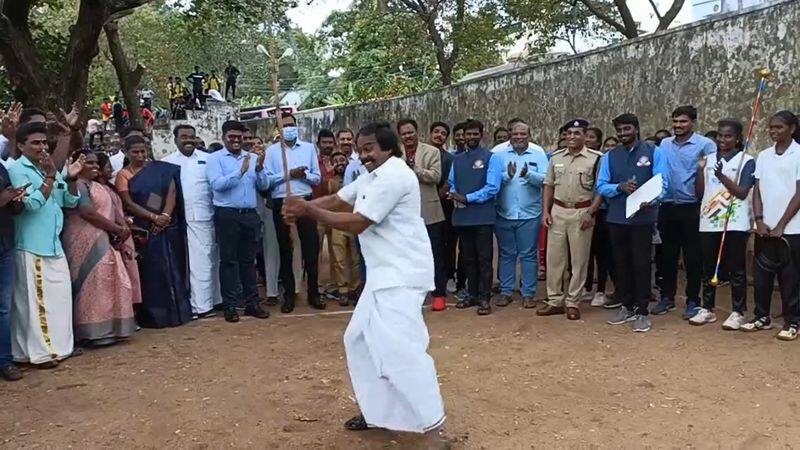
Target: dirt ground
(509, 380)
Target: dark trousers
(600, 254)
(7, 272)
(452, 262)
(230, 86)
(437, 246)
(309, 246)
(679, 227)
(476, 244)
(632, 244)
(788, 281)
(237, 236)
(734, 263)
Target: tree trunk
(128, 78)
(18, 55)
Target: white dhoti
(203, 265)
(393, 376)
(272, 255)
(41, 312)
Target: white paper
(646, 193)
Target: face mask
(290, 133)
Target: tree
(549, 21)
(129, 78)
(447, 24)
(621, 18)
(50, 68)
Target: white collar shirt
(195, 187)
(777, 177)
(396, 248)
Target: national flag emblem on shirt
(478, 164)
(644, 161)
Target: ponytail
(790, 119)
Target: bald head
(520, 136)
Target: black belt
(236, 210)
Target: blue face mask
(290, 133)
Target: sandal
(463, 304)
(357, 423)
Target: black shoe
(256, 311)
(484, 308)
(357, 423)
(207, 315)
(317, 302)
(231, 315)
(272, 301)
(353, 297)
(288, 305)
(10, 373)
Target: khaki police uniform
(573, 180)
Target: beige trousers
(344, 252)
(566, 242)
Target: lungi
(203, 266)
(272, 256)
(393, 377)
(41, 312)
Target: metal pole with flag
(763, 74)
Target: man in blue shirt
(519, 213)
(474, 182)
(679, 214)
(235, 176)
(629, 165)
(304, 173)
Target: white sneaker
(451, 286)
(702, 317)
(734, 322)
(599, 299)
(788, 333)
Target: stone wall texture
(711, 64)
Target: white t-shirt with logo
(718, 202)
(777, 176)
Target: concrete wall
(711, 64)
(207, 123)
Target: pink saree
(102, 287)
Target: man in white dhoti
(41, 312)
(386, 342)
(199, 212)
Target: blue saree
(162, 256)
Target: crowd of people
(202, 86)
(97, 238)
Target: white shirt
(716, 198)
(117, 161)
(504, 145)
(396, 248)
(777, 176)
(195, 187)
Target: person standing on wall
(304, 173)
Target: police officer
(570, 205)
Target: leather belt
(237, 210)
(570, 205)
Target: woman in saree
(125, 247)
(101, 286)
(150, 192)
